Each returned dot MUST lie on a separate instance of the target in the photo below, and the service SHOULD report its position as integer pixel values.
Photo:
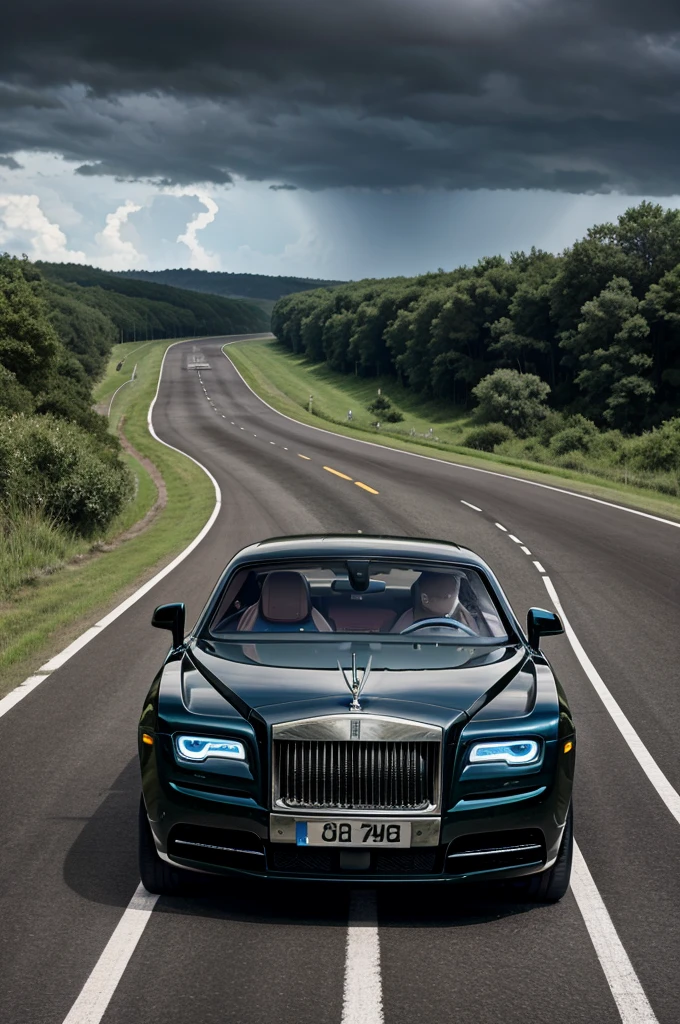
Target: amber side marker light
(567, 746)
(147, 739)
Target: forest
(216, 282)
(570, 359)
(141, 310)
(599, 323)
(61, 474)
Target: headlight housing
(198, 748)
(510, 752)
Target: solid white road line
(457, 465)
(469, 505)
(362, 994)
(630, 999)
(21, 691)
(539, 566)
(668, 794)
(95, 996)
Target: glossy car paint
(240, 690)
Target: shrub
(382, 408)
(524, 448)
(13, 396)
(609, 445)
(488, 436)
(59, 469)
(574, 460)
(578, 436)
(658, 449)
(552, 423)
(516, 399)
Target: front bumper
(492, 828)
(234, 838)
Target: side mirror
(542, 623)
(171, 616)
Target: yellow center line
(365, 487)
(336, 473)
(304, 457)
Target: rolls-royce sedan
(357, 708)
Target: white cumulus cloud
(23, 223)
(200, 258)
(114, 252)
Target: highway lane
(70, 784)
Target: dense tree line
(216, 282)
(139, 310)
(599, 324)
(58, 323)
(57, 457)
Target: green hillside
(246, 286)
(145, 309)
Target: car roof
(353, 545)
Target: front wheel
(157, 876)
(551, 885)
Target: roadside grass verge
(286, 381)
(43, 616)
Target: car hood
(293, 680)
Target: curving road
(608, 952)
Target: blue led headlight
(198, 748)
(515, 752)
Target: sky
(326, 140)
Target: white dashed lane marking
(539, 567)
(516, 539)
(501, 527)
(474, 508)
(526, 550)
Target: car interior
(325, 600)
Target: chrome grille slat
(361, 775)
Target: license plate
(366, 834)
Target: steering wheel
(424, 623)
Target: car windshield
(447, 601)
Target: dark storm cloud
(283, 188)
(10, 163)
(570, 96)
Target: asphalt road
(70, 784)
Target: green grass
(285, 381)
(295, 378)
(41, 618)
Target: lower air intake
(492, 851)
(219, 847)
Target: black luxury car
(357, 708)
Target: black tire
(551, 885)
(157, 876)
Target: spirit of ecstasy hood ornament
(355, 686)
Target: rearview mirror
(171, 616)
(542, 623)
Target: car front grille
(356, 775)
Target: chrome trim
(212, 846)
(343, 727)
(424, 831)
(372, 727)
(497, 801)
(497, 849)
